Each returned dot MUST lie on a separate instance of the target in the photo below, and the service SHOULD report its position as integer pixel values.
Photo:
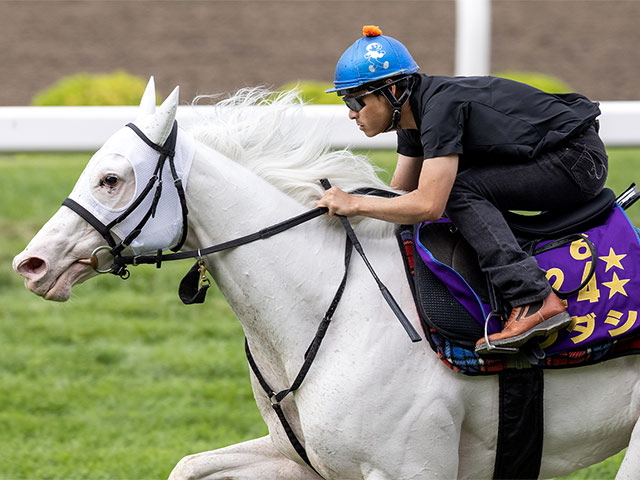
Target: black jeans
(565, 177)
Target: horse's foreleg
(245, 461)
(630, 468)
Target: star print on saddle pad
(607, 307)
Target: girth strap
(520, 425)
(309, 357)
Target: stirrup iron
(490, 347)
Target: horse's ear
(148, 102)
(157, 126)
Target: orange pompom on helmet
(371, 58)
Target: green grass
(123, 380)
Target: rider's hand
(339, 202)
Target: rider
(474, 147)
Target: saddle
(585, 268)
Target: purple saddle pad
(605, 260)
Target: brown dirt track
(221, 45)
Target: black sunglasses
(355, 102)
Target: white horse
(374, 405)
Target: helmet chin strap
(397, 103)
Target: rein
(167, 152)
(122, 261)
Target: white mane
(265, 133)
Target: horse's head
(110, 193)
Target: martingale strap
(309, 357)
(187, 292)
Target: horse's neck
(274, 286)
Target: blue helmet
(371, 58)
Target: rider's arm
(426, 202)
(407, 172)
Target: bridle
(120, 262)
(167, 153)
(190, 295)
(118, 267)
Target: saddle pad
(429, 290)
(451, 289)
(605, 259)
(607, 307)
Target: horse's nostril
(32, 266)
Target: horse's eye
(111, 180)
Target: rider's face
(374, 117)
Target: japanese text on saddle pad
(607, 307)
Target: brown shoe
(539, 319)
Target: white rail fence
(28, 129)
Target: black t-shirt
(490, 118)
